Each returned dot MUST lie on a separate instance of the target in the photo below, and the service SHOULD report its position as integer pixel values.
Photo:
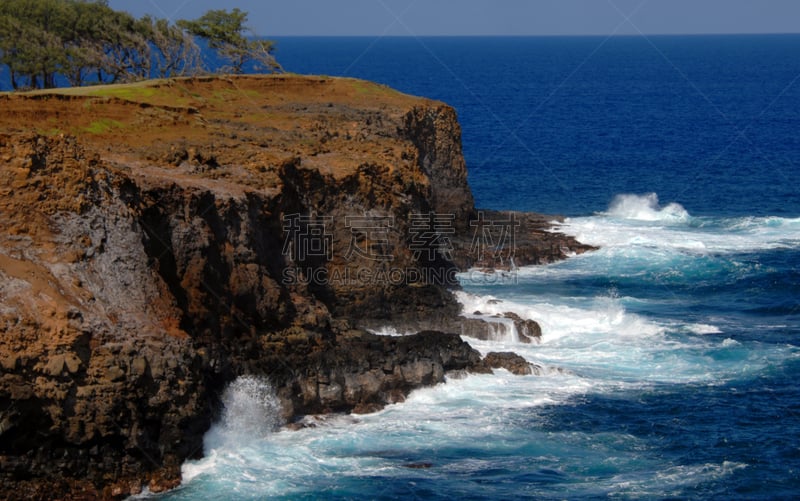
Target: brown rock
(139, 366)
(9, 362)
(529, 331)
(55, 365)
(115, 373)
(510, 361)
(72, 363)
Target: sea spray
(638, 229)
(252, 409)
(251, 413)
(646, 208)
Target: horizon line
(552, 35)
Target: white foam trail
(672, 478)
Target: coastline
(146, 230)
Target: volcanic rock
(159, 239)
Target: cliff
(158, 240)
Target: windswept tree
(110, 44)
(175, 51)
(86, 41)
(224, 32)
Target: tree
(13, 54)
(110, 44)
(41, 39)
(224, 33)
(43, 42)
(32, 52)
(126, 51)
(176, 53)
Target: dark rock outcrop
(528, 331)
(518, 238)
(496, 328)
(252, 229)
(512, 362)
(356, 371)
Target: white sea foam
(193, 469)
(612, 351)
(610, 348)
(636, 224)
(234, 456)
(646, 208)
(728, 343)
(251, 412)
(607, 316)
(701, 329)
(468, 412)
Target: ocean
(669, 358)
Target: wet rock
(361, 372)
(510, 361)
(528, 331)
(533, 243)
(476, 328)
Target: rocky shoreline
(158, 240)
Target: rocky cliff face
(156, 241)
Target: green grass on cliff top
(145, 88)
(173, 91)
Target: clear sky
(491, 17)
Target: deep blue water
(561, 125)
(669, 358)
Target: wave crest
(646, 208)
